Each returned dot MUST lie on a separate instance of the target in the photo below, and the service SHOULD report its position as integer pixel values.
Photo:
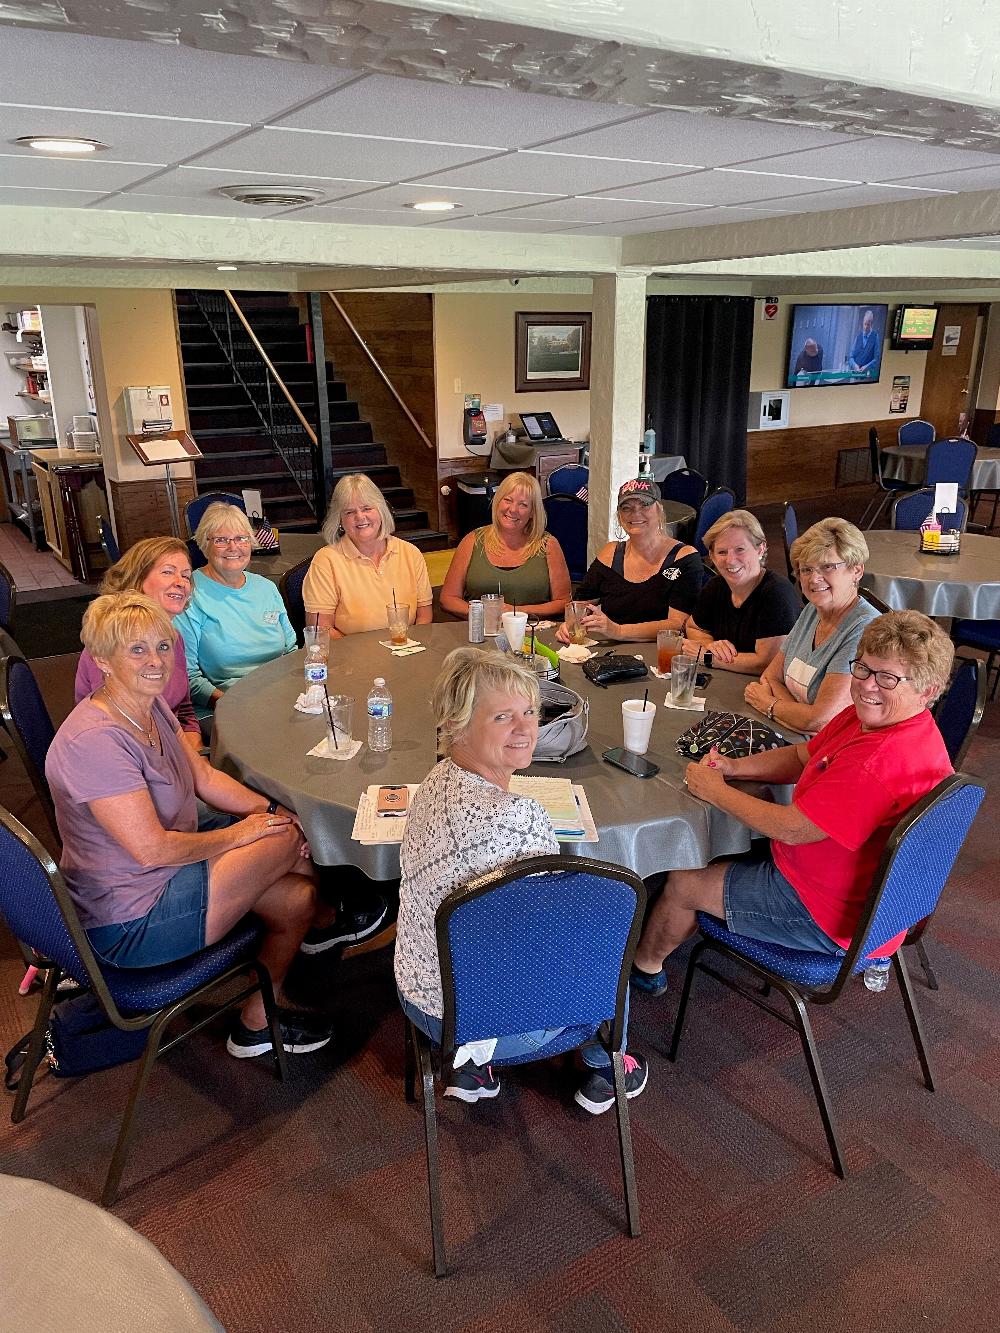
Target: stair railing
(381, 372)
(278, 412)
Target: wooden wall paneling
(143, 510)
(983, 418)
(801, 461)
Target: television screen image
(835, 344)
(913, 328)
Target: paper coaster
(402, 649)
(697, 704)
(575, 652)
(324, 750)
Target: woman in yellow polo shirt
(352, 580)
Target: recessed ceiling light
(53, 143)
(226, 268)
(433, 206)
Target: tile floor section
(32, 570)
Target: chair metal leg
(125, 1134)
(36, 1046)
(811, 1053)
(409, 1063)
(913, 1016)
(430, 1136)
(625, 1145)
(675, 1041)
(877, 499)
(273, 1022)
(925, 963)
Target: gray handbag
(565, 734)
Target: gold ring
(270, 822)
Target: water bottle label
(315, 673)
(380, 709)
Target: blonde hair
(916, 641)
(534, 529)
(350, 490)
(133, 569)
(112, 620)
(829, 534)
(465, 674)
(216, 517)
(736, 518)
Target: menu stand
(161, 450)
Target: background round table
(648, 824)
(908, 462)
(675, 514)
(966, 585)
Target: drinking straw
(333, 725)
(532, 641)
(394, 606)
(697, 656)
(644, 698)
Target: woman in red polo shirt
(853, 781)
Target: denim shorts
(761, 904)
(173, 928)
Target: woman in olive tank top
(513, 554)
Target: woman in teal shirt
(235, 621)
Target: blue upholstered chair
(570, 479)
(566, 518)
(718, 503)
(108, 542)
(984, 635)
(8, 599)
(38, 909)
(911, 875)
(546, 944)
(685, 486)
(27, 721)
(909, 511)
(194, 509)
(916, 431)
(789, 532)
(290, 588)
(951, 460)
(887, 487)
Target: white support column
(616, 391)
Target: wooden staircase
(238, 450)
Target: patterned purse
(732, 734)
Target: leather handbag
(612, 667)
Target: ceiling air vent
(272, 196)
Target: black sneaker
(598, 1093)
(653, 983)
(471, 1083)
(300, 1034)
(349, 928)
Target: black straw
(333, 725)
(394, 606)
(644, 698)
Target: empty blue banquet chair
(916, 431)
(909, 511)
(951, 460)
(685, 486)
(984, 635)
(913, 871)
(718, 503)
(108, 542)
(290, 588)
(789, 532)
(570, 479)
(566, 519)
(29, 726)
(194, 509)
(8, 599)
(497, 940)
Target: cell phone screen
(630, 763)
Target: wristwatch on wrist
(272, 808)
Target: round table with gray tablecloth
(674, 514)
(908, 462)
(295, 547)
(664, 464)
(966, 585)
(648, 824)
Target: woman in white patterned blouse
(465, 822)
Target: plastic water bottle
(316, 665)
(649, 438)
(379, 717)
(877, 975)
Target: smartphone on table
(635, 764)
(392, 801)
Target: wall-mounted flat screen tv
(913, 328)
(835, 344)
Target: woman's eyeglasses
(887, 679)
(807, 571)
(230, 541)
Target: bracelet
(272, 808)
(770, 712)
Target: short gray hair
(348, 491)
(465, 674)
(916, 641)
(216, 517)
(829, 534)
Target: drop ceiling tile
(699, 140)
(201, 183)
(877, 159)
(408, 108)
(694, 217)
(305, 153)
(157, 203)
(979, 178)
(65, 174)
(361, 217)
(507, 222)
(48, 198)
(473, 202)
(103, 74)
(719, 187)
(592, 207)
(129, 138)
(547, 174)
(857, 196)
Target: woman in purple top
(161, 568)
(151, 885)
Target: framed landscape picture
(551, 351)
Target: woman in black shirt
(744, 613)
(644, 584)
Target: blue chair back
(570, 479)
(917, 431)
(108, 539)
(909, 511)
(993, 436)
(918, 860)
(566, 519)
(960, 709)
(789, 532)
(29, 725)
(194, 509)
(291, 594)
(718, 503)
(8, 599)
(950, 460)
(546, 944)
(685, 486)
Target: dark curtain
(698, 382)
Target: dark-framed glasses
(888, 680)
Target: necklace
(149, 732)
